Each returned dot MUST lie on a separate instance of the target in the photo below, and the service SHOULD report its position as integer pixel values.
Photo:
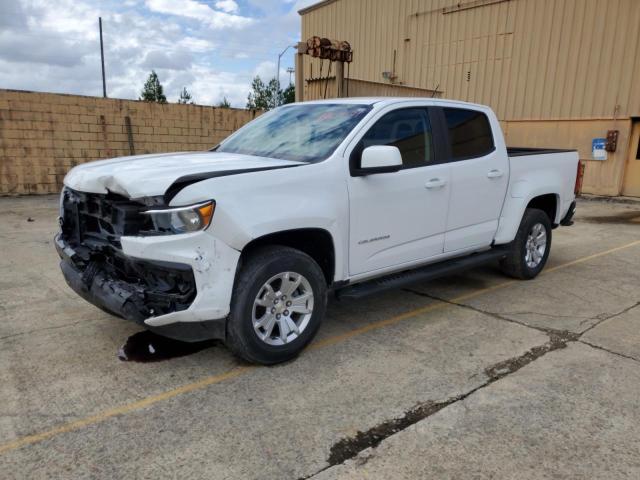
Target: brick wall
(43, 135)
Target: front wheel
(530, 248)
(278, 303)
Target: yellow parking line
(123, 409)
(375, 326)
(236, 372)
(591, 257)
(461, 298)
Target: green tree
(262, 96)
(185, 97)
(267, 96)
(289, 94)
(224, 103)
(153, 91)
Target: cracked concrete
(594, 321)
(365, 441)
(620, 333)
(612, 331)
(481, 390)
(362, 446)
(571, 305)
(540, 422)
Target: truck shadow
(626, 217)
(342, 315)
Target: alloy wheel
(283, 308)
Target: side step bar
(422, 274)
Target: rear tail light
(579, 176)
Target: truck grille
(97, 221)
(92, 224)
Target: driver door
(400, 217)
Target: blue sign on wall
(598, 149)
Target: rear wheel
(530, 249)
(278, 303)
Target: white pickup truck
(353, 196)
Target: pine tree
(224, 103)
(288, 95)
(263, 96)
(185, 96)
(152, 91)
(267, 96)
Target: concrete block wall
(43, 135)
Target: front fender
(252, 205)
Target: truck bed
(535, 171)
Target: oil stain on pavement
(147, 346)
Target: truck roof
(383, 101)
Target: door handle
(495, 173)
(435, 183)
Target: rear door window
(470, 133)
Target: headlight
(182, 219)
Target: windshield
(306, 133)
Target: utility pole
(278, 68)
(290, 70)
(301, 49)
(104, 82)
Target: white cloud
(199, 11)
(170, 60)
(228, 6)
(195, 45)
(266, 70)
(213, 52)
(209, 87)
(47, 48)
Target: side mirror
(379, 159)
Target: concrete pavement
(571, 414)
(473, 376)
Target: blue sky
(212, 47)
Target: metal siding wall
(359, 88)
(528, 59)
(601, 177)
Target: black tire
(256, 269)
(514, 264)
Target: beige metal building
(559, 73)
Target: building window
(469, 133)
(409, 130)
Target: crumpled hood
(150, 175)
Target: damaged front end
(96, 268)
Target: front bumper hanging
(137, 290)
